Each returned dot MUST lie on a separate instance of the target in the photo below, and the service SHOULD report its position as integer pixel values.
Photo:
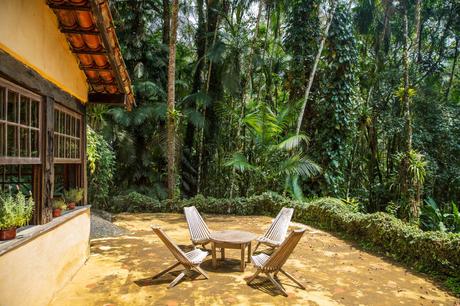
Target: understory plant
(15, 210)
(59, 204)
(433, 218)
(73, 195)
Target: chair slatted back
(279, 227)
(198, 229)
(175, 250)
(279, 257)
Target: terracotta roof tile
(89, 29)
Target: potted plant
(73, 196)
(15, 211)
(58, 206)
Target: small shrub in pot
(73, 196)
(15, 211)
(58, 207)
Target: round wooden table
(231, 240)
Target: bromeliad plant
(15, 211)
(73, 196)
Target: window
(67, 136)
(16, 176)
(19, 125)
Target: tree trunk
(315, 65)
(418, 9)
(407, 136)
(452, 73)
(171, 101)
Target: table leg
(249, 252)
(214, 259)
(222, 253)
(243, 262)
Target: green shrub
(101, 163)
(15, 211)
(134, 202)
(73, 195)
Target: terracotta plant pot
(71, 205)
(56, 212)
(8, 234)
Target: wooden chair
(274, 263)
(277, 231)
(199, 231)
(190, 260)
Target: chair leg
(166, 270)
(277, 285)
(250, 279)
(177, 279)
(292, 278)
(202, 272)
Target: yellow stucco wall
(29, 32)
(33, 272)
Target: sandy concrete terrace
(333, 271)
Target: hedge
(427, 251)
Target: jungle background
(373, 120)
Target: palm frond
(301, 166)
(293, 142)
(239, 162)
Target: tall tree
(171, 116)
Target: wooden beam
(102, 29)
(45, 215)
(83, 172)
(108, 99)
(16, 72)
(79, 31)
(101, 82)
(89, 52)
(92, 68)
(68, 7)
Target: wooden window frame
(58, 135)
(18, 160)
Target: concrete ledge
(42, 259)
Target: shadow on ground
(334, 272)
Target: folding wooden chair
(274, 263)
(277, 231)
(190, 260)
(199, 231)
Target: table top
(231, 236)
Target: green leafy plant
(73, 195)
(15, 211)
(59, 204)
(432, 218)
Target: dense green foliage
(101, 163)
(381, 126)
(15, 210)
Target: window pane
(12, 140)
(24, 142)
(61, 122)
(61, 146)
(67, 124)
(78, 127)
(24, 113)
(2, 139)
(35, 111)
(68, 151)
(12, 115)
(2, 103)
(34, 143)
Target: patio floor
(333, 271)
